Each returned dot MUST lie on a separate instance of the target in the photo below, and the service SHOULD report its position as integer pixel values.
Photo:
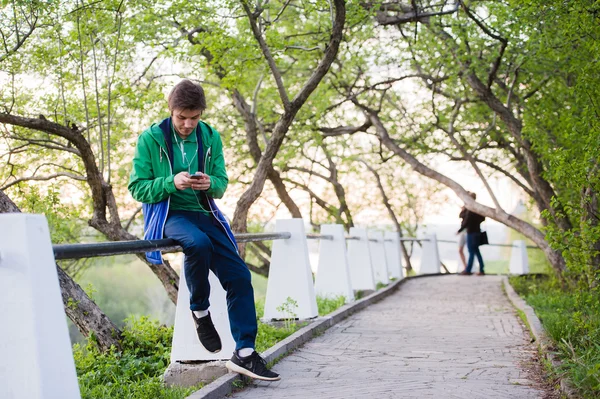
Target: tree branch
(267, 54)
(43, 178)
(342, 130)
(408, 13)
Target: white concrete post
(393, 254)
(378, 261)
(333, 273)
(519, 261)
(36, 360)
(186, 345)
(359, 258)
(290, 276)
(430, 256)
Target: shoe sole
(217, 351)
(205, 348)
(231, 366)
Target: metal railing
(493, 245)
(312, 236)
(78, 251)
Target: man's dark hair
(187, 95)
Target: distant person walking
(471, 223)
(462, 237)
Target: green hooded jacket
(151, 179)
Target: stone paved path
(436, 337)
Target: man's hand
(201, 183)
(183, 180)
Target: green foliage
(268, 335)
(572, 320)
(563, 122)
(134, 372)
(63, 219)
(288, 308)
(328, 305)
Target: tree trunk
(82, 311)
(86, 315)
(251, 126)
(240, 217)
(6, 205)
(388, 206)
(544, 191)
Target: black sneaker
(208, 335)
(252, 366)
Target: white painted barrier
(290, 276)
(359, 258)
(393, 254)
(333, 272)
(378, 261)
(430, 258)
(36, 360)
(186, 345)
(519, 261)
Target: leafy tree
(496, 98)
(563, 121)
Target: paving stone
(436, 337)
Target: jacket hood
(161, 132)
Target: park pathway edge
(544, 343)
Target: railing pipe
(313, 236)
(492, 245)
(78, 251)
(250, 237)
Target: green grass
(135, 372)
(268, 335)
(328, 305)
(495, 266)
(121, 287)
(537, 260)
(571, 319)
(148, 388)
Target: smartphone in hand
(197, 175)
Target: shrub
(572, 320)
(135, 372)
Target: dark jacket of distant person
(472, 222)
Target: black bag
(483, 238)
